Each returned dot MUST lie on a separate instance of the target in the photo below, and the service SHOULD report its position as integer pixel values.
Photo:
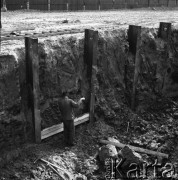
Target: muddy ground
(154, 127)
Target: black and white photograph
(89, 90)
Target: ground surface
(151, 131)
(37, 21)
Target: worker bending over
(66, 106)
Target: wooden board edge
(45, 133)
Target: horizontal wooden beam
(59, 127)
(137, 149)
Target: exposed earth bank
(152, 125)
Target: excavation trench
(62, 68)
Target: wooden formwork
(32, 82)
(134, 35)
(90, 59)
(134, 39)
(32, 79)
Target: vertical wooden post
(167, 3)
(134, 35)
(99, 5)
(49, 5)
(125, 4)
(32, 80)
(90, 56)
(164, 31)
(67, 6)
(113, 4)
(84, 8)
(28, 5)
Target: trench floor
(155, 129)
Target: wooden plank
(164, 31)
(137, 149)
(134, 35)
(88, 52)
(59, 127)
(32, 79)
(94, 63)
(49, 5)
(90, 59)
(28, 5)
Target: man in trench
(66, 106)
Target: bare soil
(38, 21)
(149, 129)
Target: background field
(38, 21)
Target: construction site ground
(155, 129)
(38, 21)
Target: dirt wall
(11, 120)
(62, 68)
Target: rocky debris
(130, 157)
(107, 151)
(65, 21)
